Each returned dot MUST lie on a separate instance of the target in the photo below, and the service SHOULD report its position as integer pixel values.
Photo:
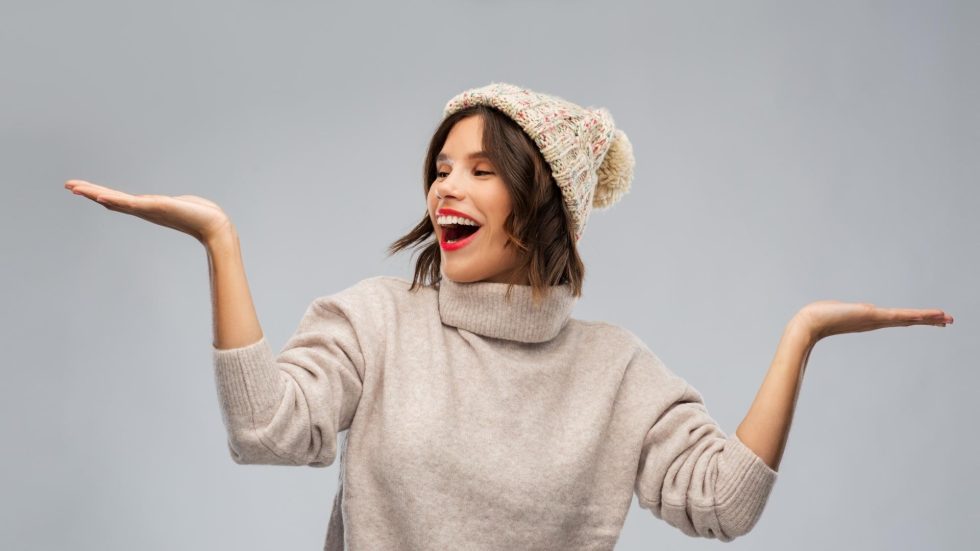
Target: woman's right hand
(193, 215)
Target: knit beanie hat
(590, 159)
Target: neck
(484, 308)
(510, 277)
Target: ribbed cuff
(744, 484)
(247, 378)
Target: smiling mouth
(457, 232)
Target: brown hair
(538, 224)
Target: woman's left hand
(833, 317)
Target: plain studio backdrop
(786, 153)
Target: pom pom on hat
(615, 172)
(591, 160)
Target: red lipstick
(456, 244)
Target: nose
(450, 186)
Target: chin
(459, 276)
(463, 275)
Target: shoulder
(377, 296)
(371, 286)
(371, 307)
(395, 289)
(626, 344)
(606, 334)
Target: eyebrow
(475, 155)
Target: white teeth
(446, 220)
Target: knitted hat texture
(590, 159)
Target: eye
(443, 173)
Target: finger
(74, 184)
(111, 203)
(82, 187)
(112, 206)
(69, 184)
(943, 317)
(916, 316)
(130, 203)
(930, 315)
(140, 207)
(95, 192)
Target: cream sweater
(475, 422)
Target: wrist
(223, 239)
(801, 327)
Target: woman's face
(466, 182)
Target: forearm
(765, 428)
(234, 319)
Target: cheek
(501, 210)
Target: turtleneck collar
(482, 307)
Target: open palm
(833, 317)
(190, 214)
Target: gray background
(785, 153)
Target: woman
(480, 414)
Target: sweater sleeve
(695, 477)
(288, 409)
